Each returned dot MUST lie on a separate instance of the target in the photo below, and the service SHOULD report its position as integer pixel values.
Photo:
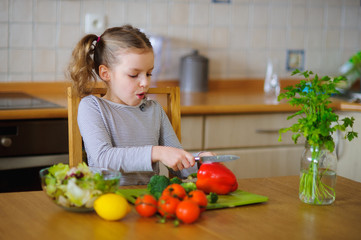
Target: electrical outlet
(95, 23)
(295, 60)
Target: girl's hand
(204, 154)
(175, 158)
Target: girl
(123, 130)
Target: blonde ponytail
(81, 67)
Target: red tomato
(199, 197)
(188, 211)
(167, 206)
(175, 190)
(146, 205)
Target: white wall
(37, 36)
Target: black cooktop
(20, 100)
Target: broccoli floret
(212, 197)
(175, 180)
(157, 184)
(189, 186)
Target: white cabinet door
(349, 153)
(265, 162)
(246, 130)
(192, 132)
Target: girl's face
(129, 79)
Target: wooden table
(31, 215)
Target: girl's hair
(87, 56)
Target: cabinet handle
(6, 142)
(267, 131)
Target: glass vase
(317, 176)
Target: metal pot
(194, 73)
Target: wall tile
(240, 15)
(260, 16)
(44, 61)
(315, 17)
(239, 38)
(219, 37)
(20, 61)
(334, 16)
(259, 38)
(62, 60)
(257, 62)
(220, 15)
(4, 33)
(70, 11)
(200, 14)
(3, 60)
(45, 35)
(333, 38)
(136, 13)
(278, 38)
(238, 62)
(199, 37)
(21, 35)
(4, 10)
(314, 39)
(179, 36)
(352, 17)
(159, 14)
(218, 64)
(179, 13)
(39, 35)
(19, 77)
(21, 10)
(69, 35)
(297, 16)
(296, 39)
(279, 15)
(351, 40)
(45, 11)
(115, 13)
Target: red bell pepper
(216, 178)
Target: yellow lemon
(111, 206)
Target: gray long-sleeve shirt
(121, 137)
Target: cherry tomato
(167, 206)
(175, 190)
(188, 211)
(146, 205)
(199, 197)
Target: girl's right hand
(174, 158)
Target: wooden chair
(75, 141)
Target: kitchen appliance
(194, 73)
(26, 146)
(218, 158)
(20, 100)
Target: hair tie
(98, 39)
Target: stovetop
(20, 100)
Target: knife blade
(218, 158)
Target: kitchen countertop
(223, 97)
(31, 215)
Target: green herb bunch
(317, 120)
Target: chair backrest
(172, 109)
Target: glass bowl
(76, 191)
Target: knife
(218, 158)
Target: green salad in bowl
(76, 188)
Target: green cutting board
(236, 198)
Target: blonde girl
(123, 130)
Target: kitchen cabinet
(349, 153)
(254, 137)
